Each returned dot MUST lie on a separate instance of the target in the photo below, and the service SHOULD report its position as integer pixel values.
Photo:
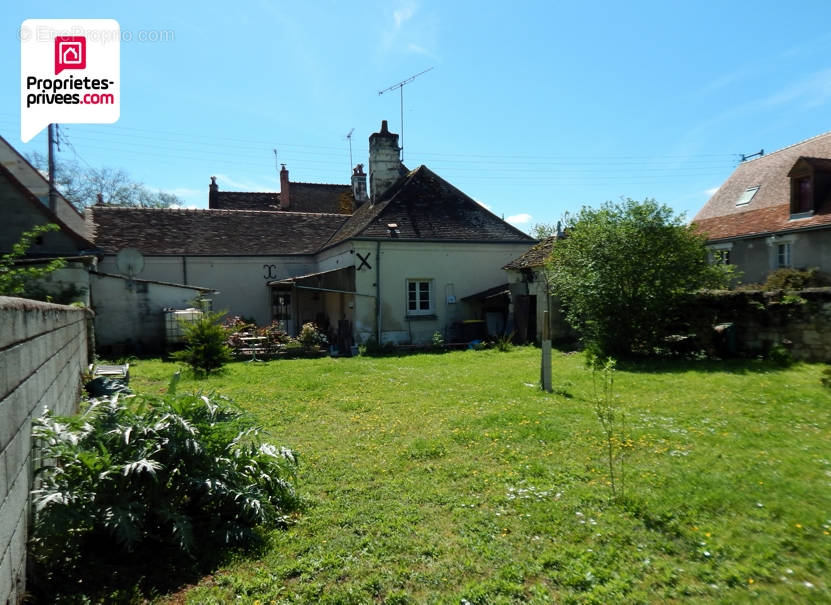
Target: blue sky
(531, 108)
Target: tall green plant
(132, 486)
(612, 419)
(206, 350)
(13, 278)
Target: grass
(452, 478)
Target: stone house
(774, 212)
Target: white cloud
(523, 218)
(411, 32)
(228, 183)
(404, 13)
(483, 204)
(711, 192)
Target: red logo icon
(70, 53)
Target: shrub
(132, 490)
(310, 337)
(622, 272)
(795, 279)
(437, 341)
(206, 350)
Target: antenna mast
(349, 138)
(400, 87)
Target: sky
(534, 109)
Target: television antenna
(349, 138)
(400, 87)
(760, 153)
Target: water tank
(174, 320)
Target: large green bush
(622, 270)
(137, 489)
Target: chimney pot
(285, 186)
(213, 192)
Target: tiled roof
(769, 209)
(321, 197)
(426, 207)
(168, 231)
(244, 200)
(537, 255)
(304, 197)
(763, 221)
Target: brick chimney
(359, 184)
(213, 193)
(285, 195)
(384, 161)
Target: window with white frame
(419, 297)
(783, 255)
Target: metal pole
(53, 194)
(402, 122)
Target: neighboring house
(294, 197)
(531, 295)
(25, 204)
(402, 263)
(129, 313)
(774, 212)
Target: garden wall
(44, 348)
(799, 321)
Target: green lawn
(452, 478)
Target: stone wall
(44, 348)
(752, 322)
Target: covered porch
(326, 298)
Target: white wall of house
(130, 313)
(240, 280)
(452, 270)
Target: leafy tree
(81, 186)
(622, 271)
(544, 230)
(14, 278)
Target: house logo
(52, 89)
(70, 53)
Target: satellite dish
(130, 262)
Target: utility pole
(400, 87)
(53, 193)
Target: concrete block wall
(44, 348)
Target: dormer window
(803, 194)
(810, 178)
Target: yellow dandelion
(798, 525)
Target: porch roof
(499, 290)
(294, 279)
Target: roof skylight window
(748, 194)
